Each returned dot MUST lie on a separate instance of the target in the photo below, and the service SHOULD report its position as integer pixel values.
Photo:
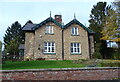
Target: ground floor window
(49, 47)
(75, 48)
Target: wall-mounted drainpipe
(62, 45)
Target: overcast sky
(39, 10)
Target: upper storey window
(74, 31)
(49, 29)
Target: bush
(79, 61)
(116, 55)
(110, 64)
(97, 55)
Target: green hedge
(109, 64)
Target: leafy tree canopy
(97, 21)
(29, 21)
(111, 29)
(0, 48)
(13, 37)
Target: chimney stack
(58, 18)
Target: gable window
(74, 31)
(75, 48)
(49, 29)
(49, 47)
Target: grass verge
(9, 65)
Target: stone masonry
(82, 38)
(105, 73)
(41, 37)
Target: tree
(0, 48)
(14, 36)
(97, 20)
(29, 21)
(111, 29)
(12, 47)
(117, 9)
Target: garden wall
(91, 73)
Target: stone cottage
(53, 41)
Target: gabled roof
(32, 27)
(77, 22)
(50, 19)
(28, 26)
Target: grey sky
(38, 11)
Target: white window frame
(74, 48)
(49, 29)
(48, 47)
(74, 31)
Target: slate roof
(28, 27)
(32, 27)
(77, 22)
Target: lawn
(39, 64)
(9, 65)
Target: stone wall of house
(34, 43)
(82, 39)
(105, 73)
(41, 37)
(29, 45)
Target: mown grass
(9, 65)
(40, 64)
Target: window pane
(74, 44)
(77, 44)
(51, 29)
(72, 50)
(75, 50)
(73, 30)
(77, 31)
(52, 49)
(78, 50)
(52, 44)
(48, 43)
(48, 49)
(47, 29)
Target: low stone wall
(96, 73)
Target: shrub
(79, 61)
(97, 55)
(116, 55)
(110, 64)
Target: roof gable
(50, 19)
(77, 22)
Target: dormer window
(49, 29)
(74, 31)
